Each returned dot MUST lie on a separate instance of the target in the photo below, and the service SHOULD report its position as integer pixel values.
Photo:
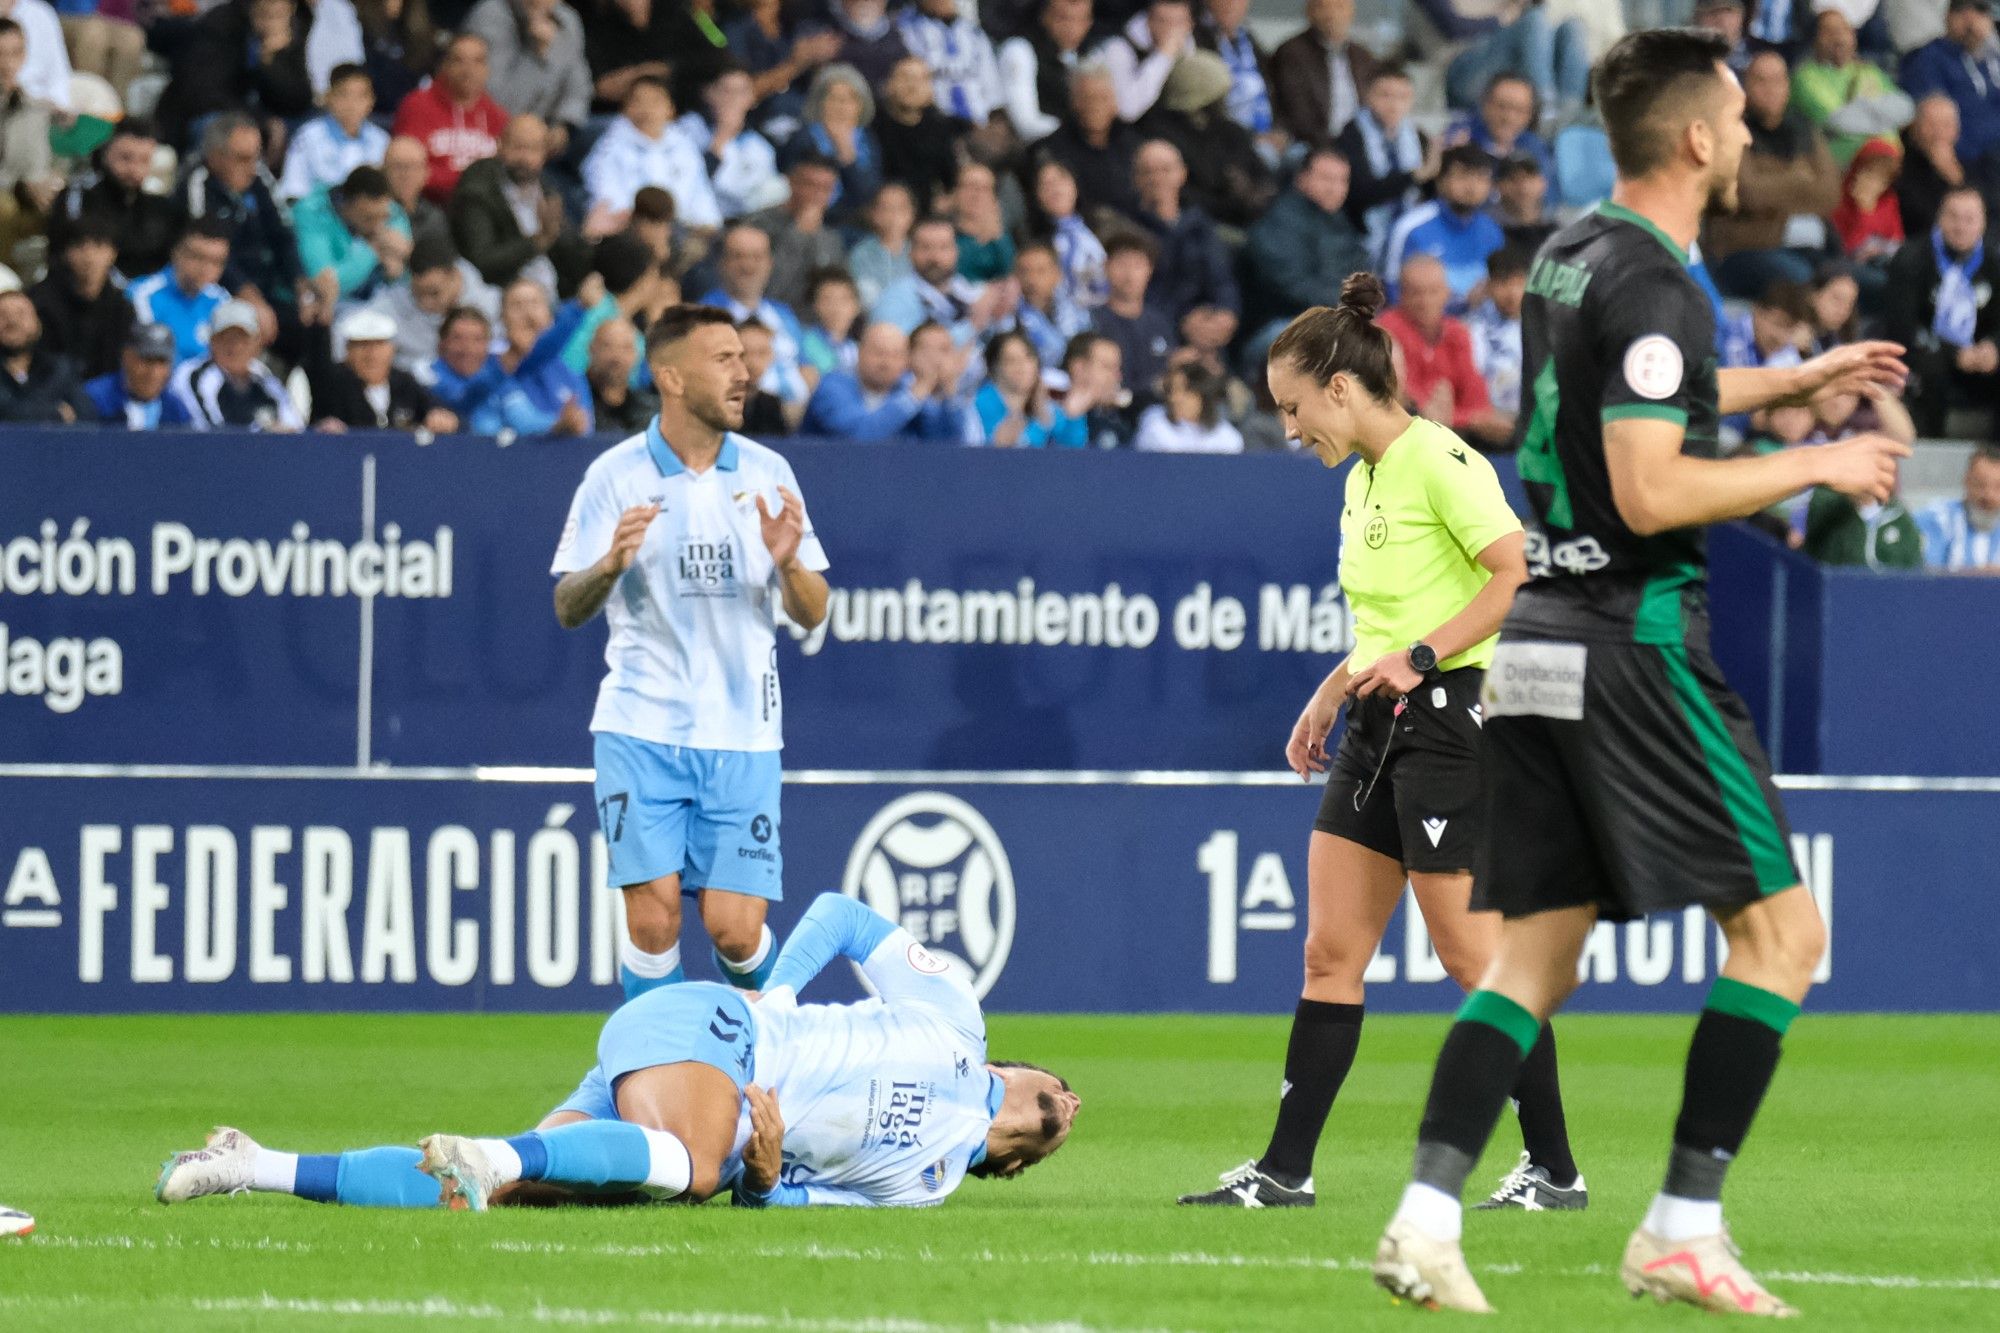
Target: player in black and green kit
(1622, 775)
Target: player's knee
(1464, 961)
(1334, 960)
(705, 1179)
(652, 917)
(736, 931)
(1801, 946)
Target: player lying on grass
(670, 1113)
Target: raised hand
(1850, 368)
(627, 537)
(784, 530)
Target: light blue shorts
(709, 816)
(700, 1021)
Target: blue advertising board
(263, 892)
(359, 601)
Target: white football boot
(1428, 1271)
(466, 1177)
(223, 1166)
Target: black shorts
(1406, 783)
(1627, 776)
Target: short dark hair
(1206, 383)
(646, 81)
(1509, 261)
(1080, 347)
(1466, 157)
(1345, 339)
(623, 261)
(650, 203)
(432, 253)
(93, 228)
(933, 220)
(135, 127)
(1793, 299)
(207, 227)
(928, 326)
(1320, 150)
(1037, 246)
(348, 70)
(1049, 1122)
(1645, 87)
(1984, 453)
(754, 325)
(676, 322)
(830, 276)
(365, 182)
(1518, 165)
(999, 345)
(1131, 243)
(460, 314)
(1388, 69)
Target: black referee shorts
(1627, 776)
(1405, 781)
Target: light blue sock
(639, 971)
(755, 977)
(594, 1154)
(636, 985)
(380, 1178)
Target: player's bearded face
(714, 379)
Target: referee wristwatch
(1423, 659)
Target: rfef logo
(933, 865)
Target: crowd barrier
(1054, 892)
(364, 600)
(288, 724)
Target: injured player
(891, 1102)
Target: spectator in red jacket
(1440, 378)
(1869, 217)
(452, 116)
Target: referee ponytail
(1343, 340)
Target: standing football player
(689, 537)
(1623, 776)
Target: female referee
(1430, 557)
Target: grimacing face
(707, 372)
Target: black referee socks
(1317, 1058)
(1479, 1065)
(1729, 1067)
(1544, 1128)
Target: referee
(1623, 777)
(689, 537)
(1430, 556)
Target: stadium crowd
(1043, 223)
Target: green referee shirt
(1411, 531)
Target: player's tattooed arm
(582, 594)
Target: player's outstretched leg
(1682, 1250)
(232, 1162)
(595, 1156)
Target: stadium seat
(1583, 166)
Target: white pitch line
(1181, 1259)
(875, 1254)
(443, 1308)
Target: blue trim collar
(670, 464)
(995, 1094)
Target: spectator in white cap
(231, 387)
(367, 392)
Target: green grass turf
(1869, 1180)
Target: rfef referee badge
(1376, 534)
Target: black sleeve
(1906, 294)
(1656, 332)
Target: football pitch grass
(1865, 1195)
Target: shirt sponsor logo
(1536, 680)
(1580, 555)
(706, 568)
(1654, 366)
